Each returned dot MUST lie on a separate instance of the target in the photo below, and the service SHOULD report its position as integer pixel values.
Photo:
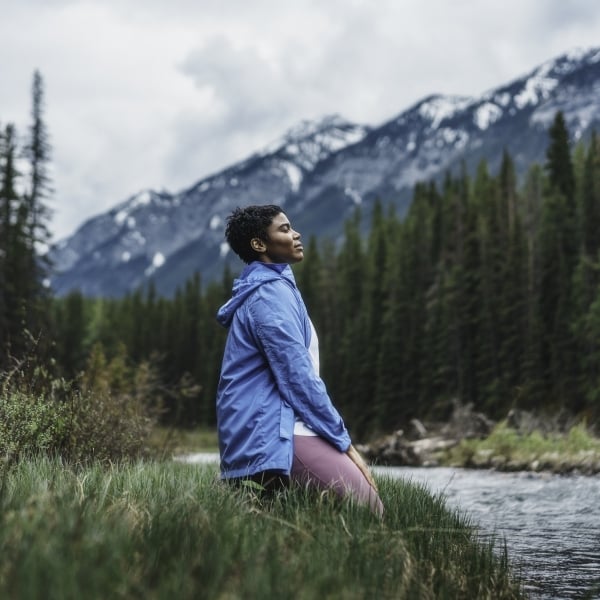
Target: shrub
(106, 415)
(113, 411)
(30, 423)
(32, 418)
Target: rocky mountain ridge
(320, 171)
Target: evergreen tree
(372, 311)
(350, 305)
(13, 252)
(533, 385)
(24, 303)
(37, 151)
(586, 282)
(512, 283)
(308, 276)
(590, 212)
(70, 321)
(559, 251)
(561, 178)
(558, 159)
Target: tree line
(485, 292)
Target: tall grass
(169, 530)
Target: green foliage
(179, 337)
(113, 412)
(30, 421)
(174, 531)
(107, 415)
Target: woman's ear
(257, 245)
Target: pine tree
(70, 320)
(533, 379)
(558, 159)
(350, 305)
(23, 222)
(37, 151)
(512, 282)
(586, 282)
(590, 212)
(12, 251)
(374, 296)
(308, 276)
(559, 255)
(561, 178)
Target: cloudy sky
(159, 93)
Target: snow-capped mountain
(319, 171)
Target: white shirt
(301, 428)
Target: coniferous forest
(486, 292)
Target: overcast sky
(160, 93)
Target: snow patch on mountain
(121, 217)
(503, 99)
(487, 114)
(454, 137)
(311, 141)
(215, 222)
(354, 195)
(438, 108)
(142, 199)
(537, 88)
(294, 174)
(158, 260)
(578, 107)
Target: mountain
(320, 171)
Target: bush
(32, 418)
(106, 415)
(114, 411)
(30, 423)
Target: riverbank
(168, 529)
(521, 442)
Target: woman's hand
(358, 460)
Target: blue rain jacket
(267, 377)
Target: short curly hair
(245, 224)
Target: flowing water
(551, 523)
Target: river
(551, 523)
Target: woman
(276, 422)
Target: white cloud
(158, 94)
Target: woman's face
(283, 244)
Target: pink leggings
(317, 463)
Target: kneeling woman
(276, 422)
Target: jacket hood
(252, 277)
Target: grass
(577, 449)
(168, 530)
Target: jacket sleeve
(279, 325)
